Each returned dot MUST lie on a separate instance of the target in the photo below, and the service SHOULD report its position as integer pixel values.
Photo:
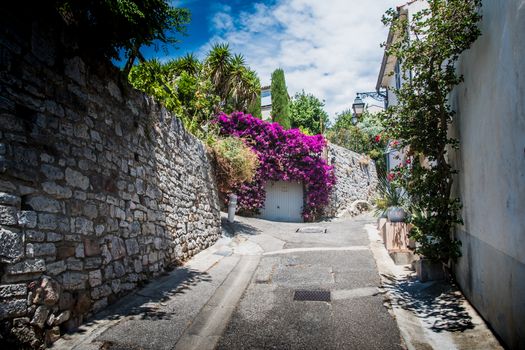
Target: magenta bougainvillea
(287, 155)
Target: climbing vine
(428, 46)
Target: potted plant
(391, 201)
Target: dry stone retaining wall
(355, 180)
(100, 188)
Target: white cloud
(329, 48)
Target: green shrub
(236, 163)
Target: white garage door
(284, 201)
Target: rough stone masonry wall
(356, 180)
(100, 188)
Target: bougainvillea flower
(287, 155)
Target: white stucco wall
(491, 184)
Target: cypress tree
(280, 99)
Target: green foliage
(255, 107)
(307, 114)
(236, 163)
(389, 194)
(280, 99)
(197, 91)
(106, 27)
(367, 136)
(428, 54)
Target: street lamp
(354, 119)
(358, 106)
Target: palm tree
(217, 65)
(237, 83)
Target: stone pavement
(239, 294)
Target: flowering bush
(236, 163)
(286, 155)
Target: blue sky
(327, 47)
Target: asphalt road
(338, 261)
(239, 294)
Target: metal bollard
(232, 206)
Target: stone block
(44, 249)
(58, 191)
(51, 291)
(119, 269)
(52, 172)
(66, 250)
(76, 70)
(132, 246)
(117, 247)
(52, 335)
(11, 245)
(62, 317)
(83, 303)
(56, 268)
(54, 237)
(40, 316)
(44, 204)
(27, 218)
(100, 292)
(79, 251)
(13, 290)
(95, 278)
(47, 221)
(92, 263)
(8, 215)
(74, 280)
(9, 199)
(13, 308)
(91, 247)
(74, 264)
(76, 179)
(66, 302)
(83, 225)
(27, 266)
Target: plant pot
(396, 214)
(428, 270)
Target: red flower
(390, 176)
(408, 161)
(377, 138)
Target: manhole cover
(311, 229)
(312, 295)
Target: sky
(330, 48)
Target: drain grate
(312, 295)
(311, 229)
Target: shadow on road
(438, 302)
(236, 228)
(150, 302)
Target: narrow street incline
(248, 291)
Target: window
(397, 74)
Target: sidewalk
(430, 315)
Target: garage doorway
(284, 201)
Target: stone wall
(100, 188)
(356, 180)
